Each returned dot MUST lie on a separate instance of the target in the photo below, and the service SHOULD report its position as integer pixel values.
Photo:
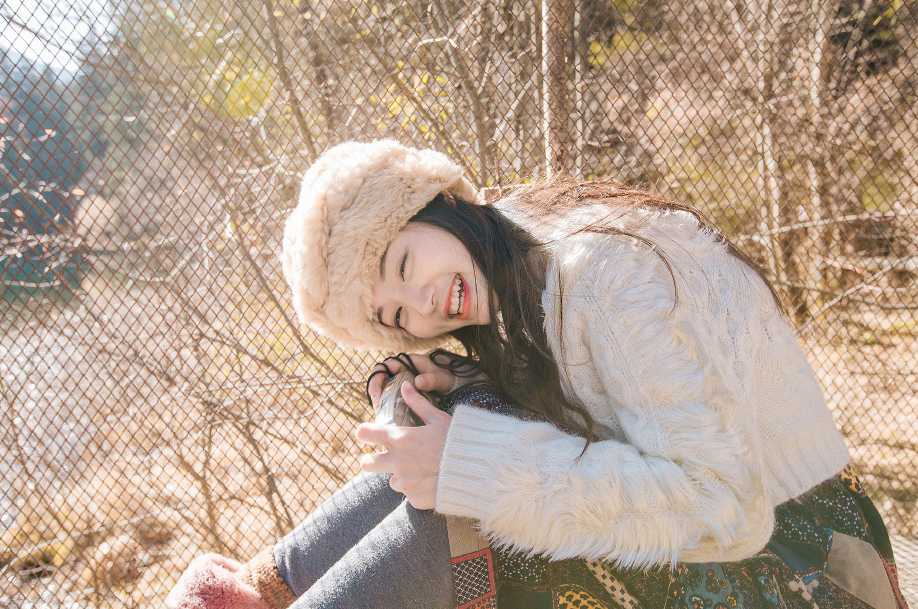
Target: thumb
(419, 404)
(439, 381)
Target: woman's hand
(411, 454)
(431, 377)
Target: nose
(422, 300)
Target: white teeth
(456, 301)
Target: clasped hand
(411, 454)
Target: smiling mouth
(457, 298)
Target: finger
(375, 388)
(375, 434)
(423, 363)
(419, 503)
(394, 364)
(380, 374)
(389, 367)
(421, 405)
(377, 463)
(395, 483)
(407, 359)
(439, 380)
(380, 366)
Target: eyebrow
(382, 275)
(382, 265)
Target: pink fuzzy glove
(211, 582)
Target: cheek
(484, 304)
(424, 330)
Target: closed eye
(398, 319)
(401, 266)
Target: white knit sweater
(709, 414)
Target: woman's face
(428, 284)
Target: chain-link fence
(158, 398)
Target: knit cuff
(476, 439)
(261, 573)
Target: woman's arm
(684, 480)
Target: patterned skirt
(829, 550)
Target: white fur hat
(353, 201)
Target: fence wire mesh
(159, 399)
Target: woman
(653, 435)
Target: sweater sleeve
(681, 482)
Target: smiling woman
(648, 432)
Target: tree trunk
(554, 86)
(815, 245)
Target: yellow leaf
(248, 94)
(598, 55)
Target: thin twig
(850, 297)
(827, 222)
(846, 294)
(281, 67)
(392, 72)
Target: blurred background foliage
(159, 398)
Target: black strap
(403, 358)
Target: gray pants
(367, 547)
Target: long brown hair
(512, 350)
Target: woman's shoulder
(593, 271)
(595, 238)
(664, 262)
(599, 223)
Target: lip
(466, 308)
